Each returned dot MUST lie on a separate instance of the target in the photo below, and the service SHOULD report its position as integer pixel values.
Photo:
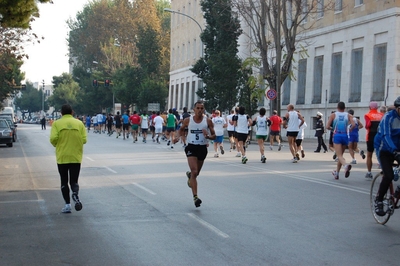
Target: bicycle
(390, 203)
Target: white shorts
(158, 130)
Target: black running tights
(386, 160)
(69, 172)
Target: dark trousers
(69, 172)
(386, 160)
(321, 142)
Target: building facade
(353, 56)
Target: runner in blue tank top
(338, 122)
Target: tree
(10, 75)
(219, 68)
(65, 91)
(30, 100)
(18, 13)
(276, 29)
(152, 91)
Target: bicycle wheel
(388, 204)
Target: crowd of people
(198, 130)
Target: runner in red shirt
(134, 120)
(275, 130)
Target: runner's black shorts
(199, 151)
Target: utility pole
(43, 98)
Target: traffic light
(107, 83)
(95, 83)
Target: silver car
(6, 133)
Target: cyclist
(387, 146)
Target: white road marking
(144, 188)
(90, 159)
(208, 225)
(109, 169)
(21, 201)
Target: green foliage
(248, 93)
(65, 91)
(219, 68)
(127, 49)
(18, 13)
(152, 91)
(10, 75)
(30, 100)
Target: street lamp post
(198, 24)
(43, 98)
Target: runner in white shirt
(261, 122)
(242, 122)
(231, 130)
(158, 123)
(292, 124)
(219, 125)
(144, 125)
(299, 140)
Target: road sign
(271, 94)
(153, 107)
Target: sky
(50, 57)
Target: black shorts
(152, 128)
(298, 142)
(231, 133)
(144, 130)
(242, 136)
(199, 151)
(370, 146)
(292, 133)
(274, 133)
(125, 126)
(118, 125)
(170, 129)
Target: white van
(8, 110)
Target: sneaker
(347, 169)
(66, 209)
(188, 176)
(379, 208)
(172, 147)
(335, 174)
(303, 154)
(197, 201)
(222, 149)
(362, 154)
(216, 155)
(368, 175)
(334, 156)
(263, 159)
(238, 154)
(78, 203)
(297, 156)
(336, 159)
(279, 147)
(325, 151)
(244, 160)
(127, 136)
(270, 147)
(234, 146)
(354, 161)
(168, 143)
(294, 160)
(317, 151)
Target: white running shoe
(354, 161)
(66, 209)
(238, 154)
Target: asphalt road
(138, 210)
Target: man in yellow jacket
(68, 136)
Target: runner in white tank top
(293, 122)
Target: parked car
(6, 134)
(12, 125)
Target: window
(336, 77)
(379, 72)
(180, 105)
(356, 75)
(305, 10)
(286, 91)
(289, 11)
(175, 102)
(338, 5)
(320, 9)
(193, 100)
(301, 81)
(318, 71)
(358, 2)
